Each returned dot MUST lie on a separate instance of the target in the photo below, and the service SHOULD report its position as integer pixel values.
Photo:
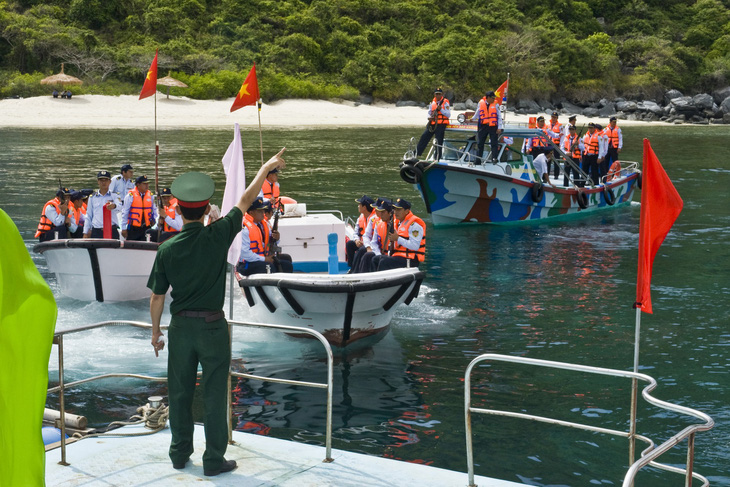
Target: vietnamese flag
(150, 83)
(660, 207)
(249, 92)
(501, 93)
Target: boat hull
(100, 269)
(345, 308)
(459, 194)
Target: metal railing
(58, 339)
(648, 456)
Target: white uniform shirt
(369, 232)
(415, 235)
(120, 187)
(95, 211)
(56, 218)
(174, 223)
(540, 163)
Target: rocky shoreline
(674, 107)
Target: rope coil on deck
(155, 419)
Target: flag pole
(261, 138)
(157, 173)
(503, 107)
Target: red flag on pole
(660, 207)
(249, 92)
(500, 96)
(150, 82)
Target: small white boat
(344, 308)
(96, 269)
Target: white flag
(234, 168)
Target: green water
(552, 291)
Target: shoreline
(128, 112)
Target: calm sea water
(552, 291)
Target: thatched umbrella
(170, 81)
(61, 79)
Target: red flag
(150, 83)
(249, 92)
(501, 93)
(660, 207)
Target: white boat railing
(648, 456)
(58, 339)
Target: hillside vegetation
(388, 49)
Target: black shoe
(181, 465)
(226, 466)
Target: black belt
(208, 315)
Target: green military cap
(193, 189)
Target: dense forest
(388, 49)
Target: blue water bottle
(332, 263)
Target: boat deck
(262, 461)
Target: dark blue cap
(273, 171)
(127, 167)
(489, 93)
(384, 205)
(365, 200)
(401, 203)
(76, 195)
(268, 206)
(258, 204)
(612, 119)
(141, 179)
(438, 91)
(165, 192)
(62, 191)
(103, 175)
(86, 192)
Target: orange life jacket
(46, 224)
(140, 213)
(83, 208)
(555, 128)
(440, 118)
(401, 251)
(271, 190)
(488, 113)
(539, 141)
(170, 211)
(568, 143)
(382, 236)
(361, 224)
(590, 142)
(614, 171)
(612, 136)
(74, 213)
(259, 242)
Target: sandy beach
(99, 111)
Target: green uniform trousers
(193, 341)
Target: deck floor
(262, 461)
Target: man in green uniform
(194, 264)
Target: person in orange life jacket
(602, 151)
(170, 222)
(554, 131)
(490, 124)
(590, 153)
(537, 145)
(54, 217)
(76, 219)
(615, 144)
(379, 243)
(255, 236)
(94, 223)
(409, 239)
(365, 208)
(566, 128)
(139, 212)
(573, 147)
(270, 189)
(439, 112)
(368, 237)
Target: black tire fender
(538, 192)
(609, 195)
(411, 174)
(582, 198)
(638, 180)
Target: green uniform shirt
(194, 264)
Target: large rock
(470, 104)
(607, 110)
(725, 106)
(719, 95)
(409, 103)
(459, 107)
(703, 101)
(670, 95)
(626, 106)
(684, 106)
(650, 106)
(568, 107)
(529, 106)
(590, 112)
(366, 100)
